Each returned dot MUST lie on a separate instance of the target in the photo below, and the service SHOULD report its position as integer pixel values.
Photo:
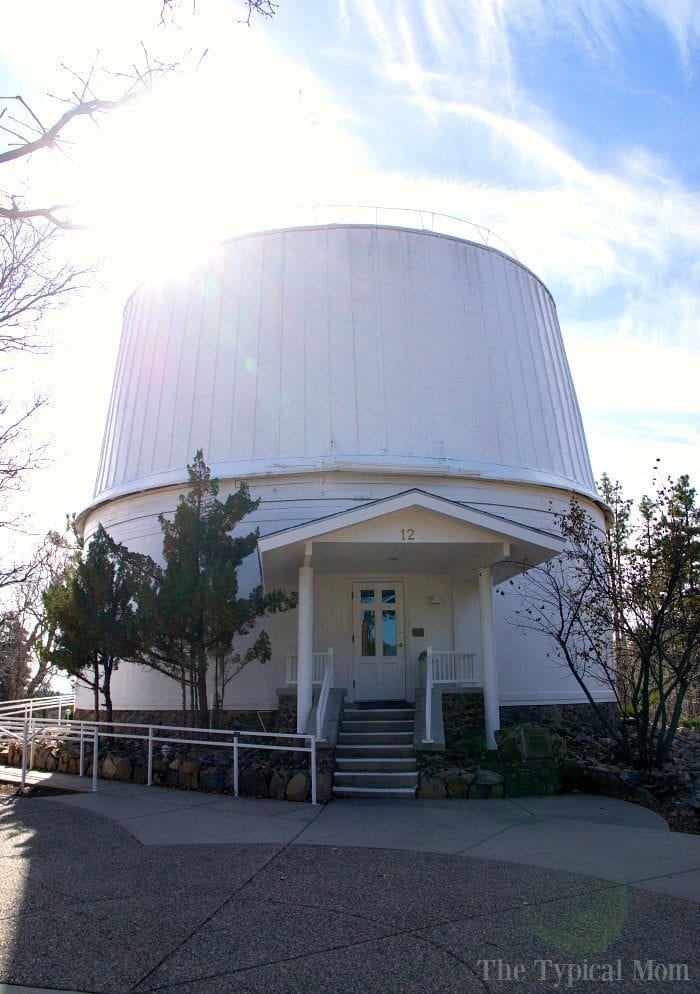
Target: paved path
(141, 889)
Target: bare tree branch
(49, 137)
(44, 213)
(263, 8)
(31, 280)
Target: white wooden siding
(346, 346)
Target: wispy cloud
(617, 240)
(479, 34)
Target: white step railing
(326, 685)
(28, 730)
(321, 662)
(451, 666)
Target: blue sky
(569, 128)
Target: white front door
(378, 641)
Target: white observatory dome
(400, 404)
(349, 347)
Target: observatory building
(400, 402)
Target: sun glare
(207, 156)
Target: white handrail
(323, 693)
(28, 729)
(31, 705)
(37, 700)
(427, 738)
(405, 217)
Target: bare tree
(26, 633)
(54, 559)
(33, 280)
(35, 277)
(622, 610)
(14, 657)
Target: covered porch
(400, 594)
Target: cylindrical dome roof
(354, 347)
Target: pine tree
(195, 612)
(93, 610)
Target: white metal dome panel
(360, 348)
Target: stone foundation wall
(560, 717)
(463, 721)
(466, 769)
(287, 712)
(261, 721)
(280, 776)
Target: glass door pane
(369, 634)
(389, 636)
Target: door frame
(398, 584)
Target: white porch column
(488, 657)
(305, 646)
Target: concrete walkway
(139, 889)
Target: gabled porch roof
(414, 531)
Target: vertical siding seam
(507, 361)
(234, 382)
(124, 428)
(409, 404)
(406, 379)
(200, 302)
(517, 361)
(217, 344)
(140, 405)
(524, 280)
(282, 326)
(165, 325)
(277, 443)
(582, 467)
(181, 351)
(305, 397)
(104, 477)
(379, 333)
(431, 363)
(137, 410)
(256, 395)
(557, 346)
(329, 381)
(489, 362)
(468, 345)
(356, 392)
(546, 391)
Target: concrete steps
(373, 725)
(375, 755)
(404, 764)
(375, 738)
